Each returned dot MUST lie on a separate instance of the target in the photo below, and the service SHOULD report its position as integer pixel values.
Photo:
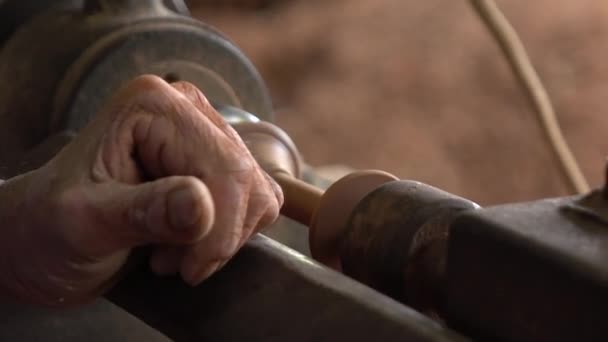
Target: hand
(157, 166)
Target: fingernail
(183, 213)
(195, 273)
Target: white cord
(520, 63)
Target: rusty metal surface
(531, 272)
(396, 241)
(173, 48)
(58, 68)
(271, 293)
(329, 224)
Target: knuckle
(275, 191)
(184, 85)
(229, 247)
(146, 92)
(68, 202)
(194, 95)
(190, 182)
(268, 209)
(273, 212)
(244, 171)
(257, 216)
(250, 167)
(224, 254)
(190, 89)
(190, 205)
(154, 95)
(279, 197)
(147, 82)
(270, 215)
(222, 250)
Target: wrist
(14, 218)
(17, 201)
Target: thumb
(171, 210)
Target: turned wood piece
(325, 213)
(389, 234)
(278, 156)
(396, 242)
(329, 224)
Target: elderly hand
(157, 166)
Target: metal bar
(271, 293)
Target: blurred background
(418, 88)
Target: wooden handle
(301, 199)
(278, 156)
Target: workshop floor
(419, 89)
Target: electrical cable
(519, 61)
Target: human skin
(159, 167)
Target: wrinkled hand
(158, 166)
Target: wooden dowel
(301, 199)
